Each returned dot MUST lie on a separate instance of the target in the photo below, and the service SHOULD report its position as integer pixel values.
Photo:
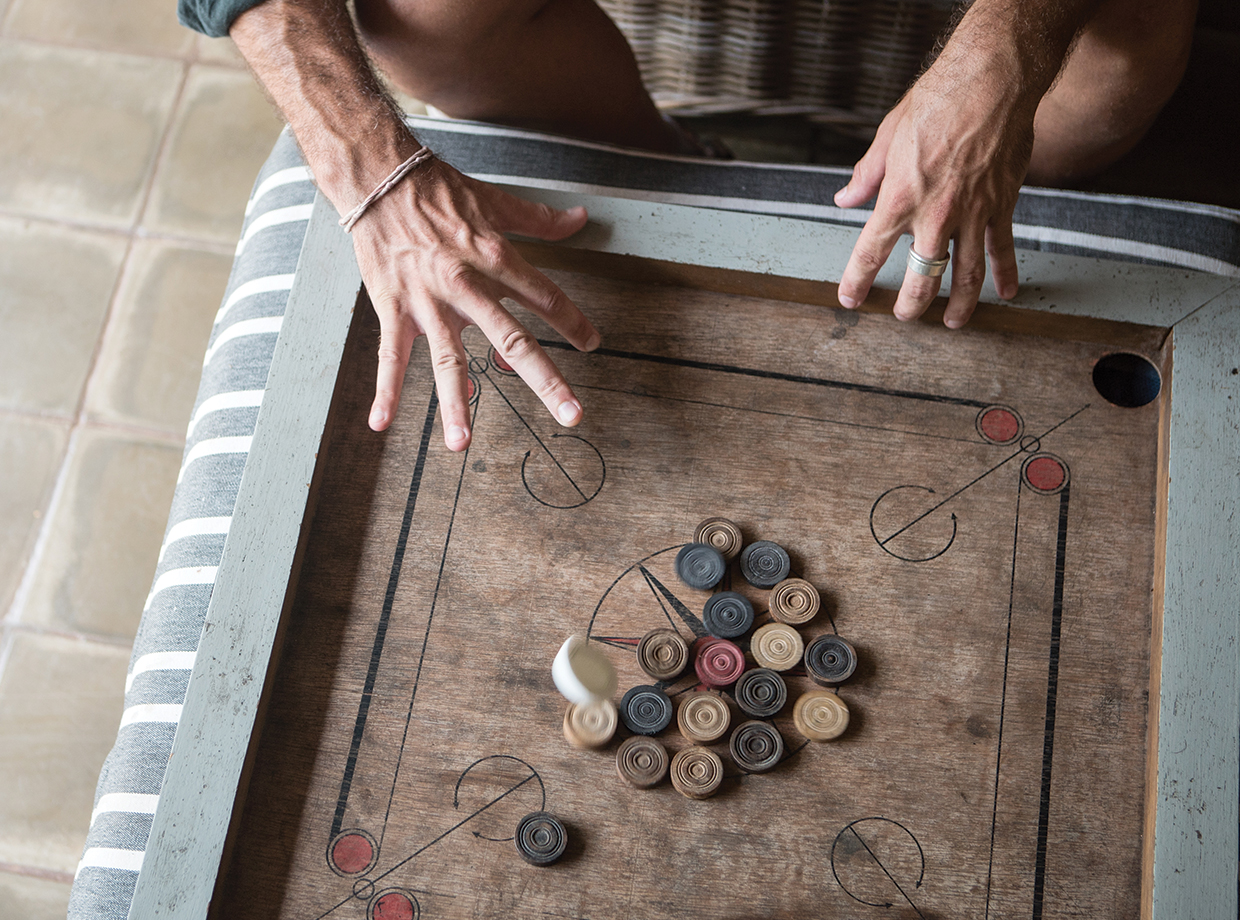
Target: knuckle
(447, 362)
(492, 251)
(516, 344)
(969, 278)
(869, 260)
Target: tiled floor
(127, 149)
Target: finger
(870, 170)
(968, 275)
(534, 291)
(449, 363)
(521, 351)
(528, 218)
(868, 255)
(917, 291)
(1002, 249)
(396, 335)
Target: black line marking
(878, 862)
(423, 849)
(456, 790)
(773, 375)
(1052, 690)
(389, 597)
(981, 477)
(690, 620)
(921, 854)
(1007, 654)
(426, 636)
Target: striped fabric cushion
(235, 368)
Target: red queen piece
(718, 662)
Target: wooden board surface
(995, 765)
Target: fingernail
(1007, 292)
(456, 434)
(593, 342)
(840, 194)
(568, 412)
(849, 302)
(377, 418)
(953, 323)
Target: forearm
(307, 56)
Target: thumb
(515, 215)
(867, 176)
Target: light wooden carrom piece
(1042, 588)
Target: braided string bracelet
(421, 156)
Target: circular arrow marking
(878, 861)
(567, 476)
(912, 526)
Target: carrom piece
(720, 533)
(765, 564)
(541, 838)
(761, 693)
(794, 601)
(727, 615)
(703, 717)
(777, 647)
(830, 660)
(700, 565)
(820, 715)
(696, 772)
(756, 746)
(646, 710)
(582, 672)
(718, 662)
(590, 725)
(641, 762)
(663, 653)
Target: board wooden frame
(1192, 833)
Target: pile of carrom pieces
(755, 683)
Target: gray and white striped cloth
(239, 353)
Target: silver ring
(931, 268)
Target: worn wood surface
(995, 760)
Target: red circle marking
(499, 362)
(352, 854)
(472, 387)
(1000, 425)
(1045, 473)
(394, 905)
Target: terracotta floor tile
(219, 51)
(60, 705)
(222, 132)
(136, 26)
(104, 537)
(55, 285)
(148, 369)
(25, 898)
(30, 455)
(81, 130)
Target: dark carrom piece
(727, 615)
(765, 564)
(646, 710)
(540, 838)
(756, 746)
(830, 660)
(761, 693)
(700, 566)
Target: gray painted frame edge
(195, 806)
(1201, 581)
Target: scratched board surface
(980, 523)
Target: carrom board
(982, 524)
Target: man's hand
(948, 161)
(431, 251)
(435, 260)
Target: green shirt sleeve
(212, 17)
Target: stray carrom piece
(830, 660)
(541, 838)
(696, 772)
(777, 646)
(700, 565)
(718, 662)
(703, 717)
(663, 653)
(720, 533)
(727, 615)
(794, 601)
(590, 725)
(641, 761)
(820, 715)
(646, 710)
(761, 693)
(582, 673)
(765, 564)
(756, 746)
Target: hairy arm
(948, 160)
(432, 251)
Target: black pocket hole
(1127, 380)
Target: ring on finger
(931, 268)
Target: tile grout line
(191, 56)
(51, 875)
(220, 247)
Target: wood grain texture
(195, 807)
